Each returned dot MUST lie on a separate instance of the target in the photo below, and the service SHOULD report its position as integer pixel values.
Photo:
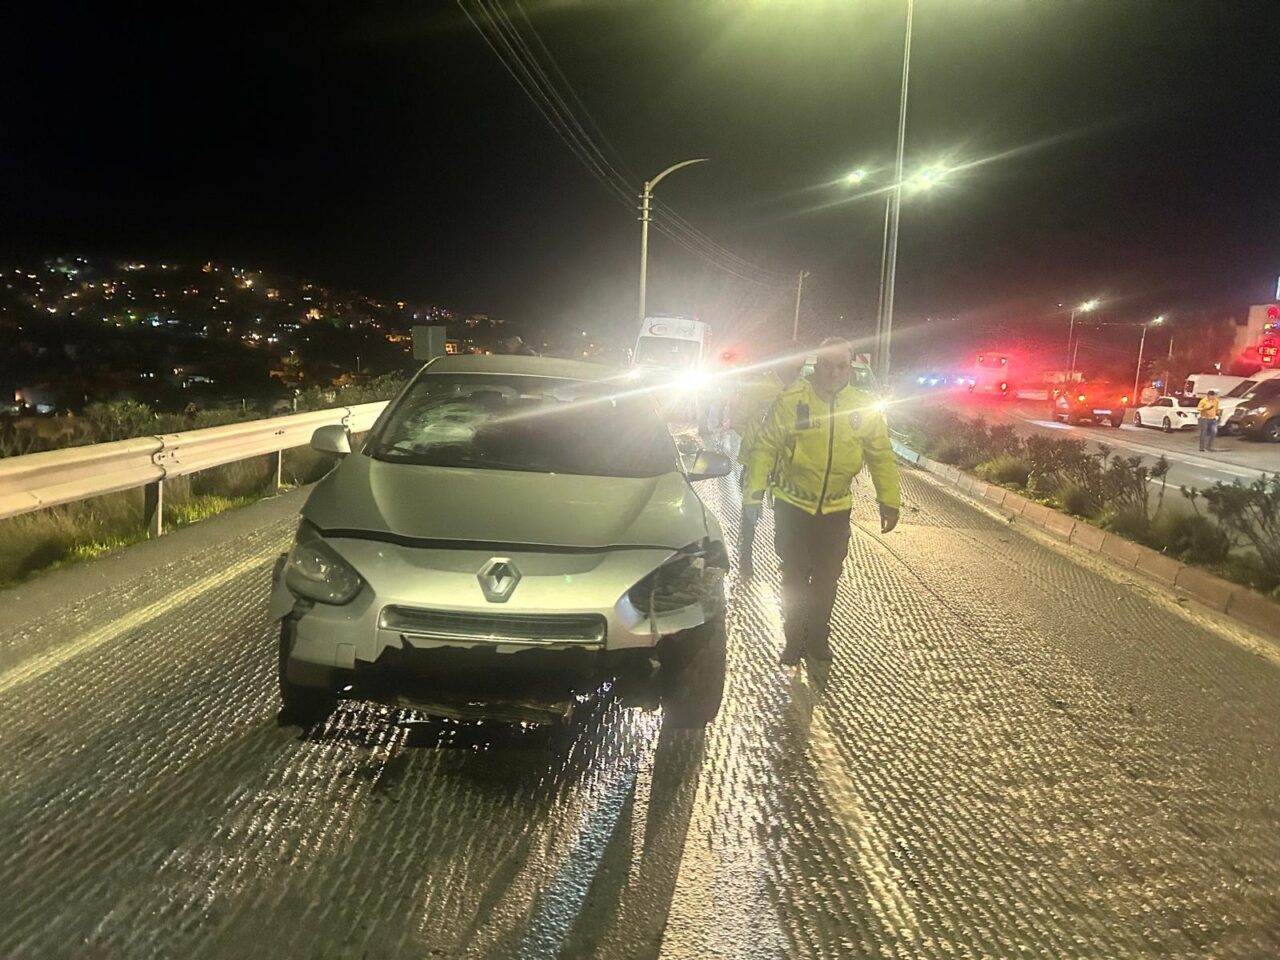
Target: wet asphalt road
(1013, 756)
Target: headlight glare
(315, 570)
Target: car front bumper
(421, 601)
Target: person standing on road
(812, 444)
(1209, 408)
(750, 405)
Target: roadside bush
(1251, 514)
(1052, 460)
(1126, 482)
(1076, 500)
(1006, 469)
(1133, 524)
(118, 420)
(1191, 537)
(950, 453)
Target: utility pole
(890, 266)
(1137, 374)
(645, 196)
(795, 326)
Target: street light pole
(1071, 356)
(1137, 374)
(645, 196)
(795, 326)
(889, 266)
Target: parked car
(1168, 414)
(514, 529)
(1230, 402)
(1259, 412)
(1096, 401)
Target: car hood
(410, 503)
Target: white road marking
(42, 663)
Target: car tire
(299, 705)
(692, 674)
(1271, 430)
(1117, 422)
(1168, 425)
(1137, 419)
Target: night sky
(383, 146)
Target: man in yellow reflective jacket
(814, 441)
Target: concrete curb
(1246, 606)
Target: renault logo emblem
(498, 579)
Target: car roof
(516, 365)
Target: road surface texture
(1012, 756)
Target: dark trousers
(811, 550)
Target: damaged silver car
(512, 530)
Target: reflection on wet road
(1012, 755)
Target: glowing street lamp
(855, 177)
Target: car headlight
(691, 576)
(1255, 412)
(315, 570)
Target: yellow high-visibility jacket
(808, 450)
(748, 407)
(1208, 408)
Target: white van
(677, 344)
(1233, 399)
(1199, 384)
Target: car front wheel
(692, 672)
(1271, 430)
(298, 704)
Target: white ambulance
(675, 344)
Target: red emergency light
(1273, 313)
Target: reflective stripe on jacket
(819, 446)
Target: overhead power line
(544, 83)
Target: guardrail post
(279, 469)
(153, 508)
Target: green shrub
(1076, 500)
(1251, 513)
(1006, 469)
(1133, 524)
(949, 452)
(1192, 537)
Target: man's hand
(888, 518)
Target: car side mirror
(335, 439)
(707, 465)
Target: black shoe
(790, 656)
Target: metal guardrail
(37, 480)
